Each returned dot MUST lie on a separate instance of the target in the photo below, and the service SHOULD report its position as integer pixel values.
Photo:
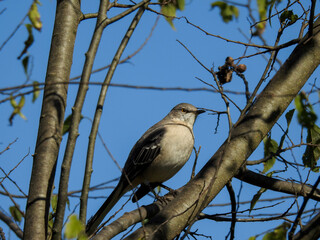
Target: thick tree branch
(51, 120)
(277, 185)
(130, 218)
(245, 138)
(311, 231)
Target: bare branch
(75, 121)
(14, 31)
(8, 147)
(54, 103)
(11, 224)
(100, 103)
(277, 185)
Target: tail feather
(114, 197)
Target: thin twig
(12, 200)
(304, 204)
(233, 210)
(14, 31)
(195, 161)
(128, 57)
(7, 174)
(313, 6)
(8, 147)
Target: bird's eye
(183, 110)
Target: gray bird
(156, 157)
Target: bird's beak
(199, 111)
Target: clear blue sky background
(127, 112)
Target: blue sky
(127, 113)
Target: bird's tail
(95, 220)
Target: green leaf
(272, 2)
(312, 153)
(13, 102)
(67, 124)
(169, 10)
(252, 238)
(306, 114)
(270, 148)
(145, 221)
(256, 197)
(36, 91)
(21, 102)
(262, 9)
(25, 62)
(74, 228)
(227, 12)
(29, 40)
(54, 202)
(289, 116)
(289, 17)
(235, 11)
(22, 115)
(15, 213)
(279, 233)
(180, 4)
(34, 16)
(50, 224)
(17, 109)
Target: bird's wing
(143, 153)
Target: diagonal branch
(11, 224)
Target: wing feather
(143, 153)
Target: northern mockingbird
(156, 157)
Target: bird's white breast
(176, 148)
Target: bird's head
(185, 112)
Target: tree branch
(51, 119)
(130, 218)
(100, 103)
(270, 183)
(74, 126)
(311, 231)
(11, 224)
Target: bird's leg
(170, 190)
(144, 189)
(166, 198)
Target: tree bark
(245, 137)
(51, 120)
(311, 231)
